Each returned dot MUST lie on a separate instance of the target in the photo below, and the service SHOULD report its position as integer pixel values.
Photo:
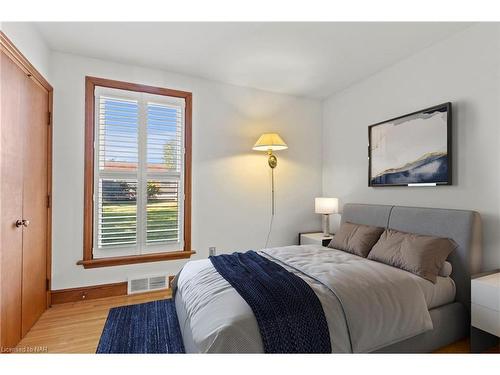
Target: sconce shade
(326, 206)
(270, 141)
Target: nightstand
(314, 238)
(485, 303)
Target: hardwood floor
(76, 327)
(463, 346)
(459, 347)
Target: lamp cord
(272, 209)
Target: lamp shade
(326, 206)
(270, 141)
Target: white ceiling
(304, 59)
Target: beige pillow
(356, 238)
(422, 255)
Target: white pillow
(445, 270)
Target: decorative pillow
(356, 238)
(422, 255)
(446, 270)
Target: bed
(369, 306)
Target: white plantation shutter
(139, 174)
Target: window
(137, 174)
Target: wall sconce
(270, 142)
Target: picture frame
(414, 149)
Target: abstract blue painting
(414, 149)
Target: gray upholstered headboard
(464, 227)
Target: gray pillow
(446, 270)
(422, 255)
(356, 238)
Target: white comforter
(368, 305)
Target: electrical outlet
(212, 251)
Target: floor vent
(145, 284)
(158, 282)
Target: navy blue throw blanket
(288, 312)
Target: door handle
(22, 223)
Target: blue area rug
(145, 328)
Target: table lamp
(326, 206)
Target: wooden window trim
(88, 261)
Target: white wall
(464, 69)
(231, 183)
(28, 40)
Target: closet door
(12, 85)
(35, 209)
(24, 136)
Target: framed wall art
(411, 150)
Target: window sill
(133, 259)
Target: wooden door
(24, 171)
(12, 84)
(34, 281)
